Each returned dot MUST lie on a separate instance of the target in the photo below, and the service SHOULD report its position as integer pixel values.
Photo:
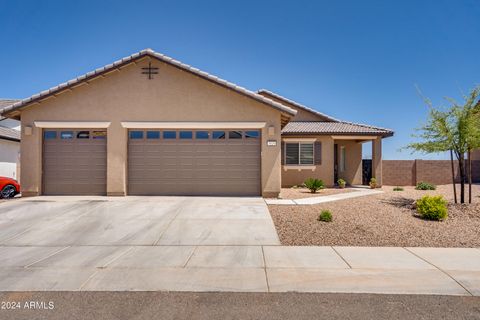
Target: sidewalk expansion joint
(441, 270)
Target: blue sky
(355, 60)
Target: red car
(9, 187)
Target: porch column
(377, 160)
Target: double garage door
(194, 162)
(160, 162)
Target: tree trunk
(469, 176)
(453, 177)
(461, 168)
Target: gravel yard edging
(358, 192)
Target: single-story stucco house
(150, 125)
(9, 144)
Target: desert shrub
(314, 184)
(373, 183)
(398, 189)
(325, 216)
(341, 183)
(425, 186)
(432, 207)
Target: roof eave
(383, 135)
(18, 106)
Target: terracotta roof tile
(341, 127)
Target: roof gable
(14, 109)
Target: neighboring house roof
(9, 134)
(339, 128)
(136, 56)
(5, 103)
(296, 104)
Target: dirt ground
(387, 219)
(300, 193)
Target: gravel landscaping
(386, 219)
(300, 193)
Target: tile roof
(161, 57)
(339, 128)
(6, 102)
(296, 104)
(9, 134)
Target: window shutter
(318, 153)
(282, 151)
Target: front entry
(335, 163)
(194, 162)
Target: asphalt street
(187, 305)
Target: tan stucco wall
(324, 171)
(353, 165)
(127, 95)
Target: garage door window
(50, 135)
(201, 135)
(235, 135)
(153, 134)
(252, 134)
(99, 134)
(186, 135)
(218, 135)
(83, 135)
(66, 135)
(136, 134)
(169, 135)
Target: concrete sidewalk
(386, 270)
(358, 192)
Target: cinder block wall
(409, 172)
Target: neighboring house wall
(9, 158)
(410, 172)
(127, 95)
(10, 123)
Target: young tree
(455, 129)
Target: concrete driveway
(149, 221)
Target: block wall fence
(410, 172)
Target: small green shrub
(325, 216)
(341, 183)
(373, 183)
(432, 207)
(425, 186)
(398, 189)
(314, 184)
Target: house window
(299, 153)
(342, 159)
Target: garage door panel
(74, 166)
(194, 167)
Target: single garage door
(194, 162)
(74, 162)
